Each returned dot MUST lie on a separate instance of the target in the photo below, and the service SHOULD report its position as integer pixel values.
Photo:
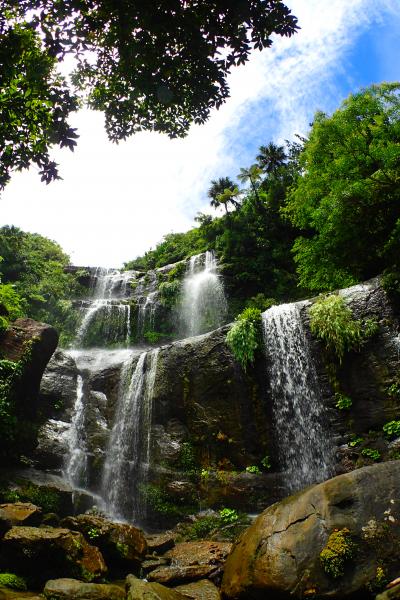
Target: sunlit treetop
(158, 65)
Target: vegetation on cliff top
(316, 215)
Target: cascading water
(128, 455)
(76, 460)
(107, 317)
(203, 306)
(303, 443)
(124, 461)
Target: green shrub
(11, 305)
(266, 462)
(333, 323)
(12, 581)
(343, 402)
(394, 390)
(260, 302)
(339, 549)
(153, 337)
(244, 336)
(169, 292)
(371, 453)
(228, 515)
(253, 469)
(392, 429)
(177, 272)
(355, 441)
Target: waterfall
(107, 317)
(203, 306)
(76, 460)
(304, 447)
(146, 314)
(128, 456)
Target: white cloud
(117, 201)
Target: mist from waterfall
(203, 305)
(305, 450)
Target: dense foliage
(34, 281)
(330, 202)
(35, 103)
(347, 199)
(333, 322)
(147, 65)
(244, 336)
(252, 240)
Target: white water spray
(303, 442)
(203, 306)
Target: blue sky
(115, 202)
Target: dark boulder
(333, 540)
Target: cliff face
(210, 420)
(25, 350)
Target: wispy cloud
(117, 201)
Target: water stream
(299, 417)
(203, 305)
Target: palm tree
(223, 191)
(271, 157)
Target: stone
(31, 344)
(22, 513)
(150, 565)
(7, 594)
(123, 546)
(393, 593)
(191, 561)
(280, 554)
(45, 553)
(160, 542)
(200, 590)
(5, 523)
(72, 589)
(138, 589)
(58, 386)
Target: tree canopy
(158, 65)
(34, 281)
(346, 201)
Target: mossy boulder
(123, 546)
(333, 540)
(45, 553)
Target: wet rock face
(328, 540)
(364, 376)
(58, 386)
(30, 344)
(200, 386)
